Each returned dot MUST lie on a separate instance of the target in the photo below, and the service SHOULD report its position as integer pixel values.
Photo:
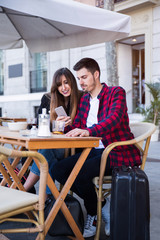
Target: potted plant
(152, 113)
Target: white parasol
(47, 25)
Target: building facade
(25, 77)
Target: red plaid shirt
(112, 126)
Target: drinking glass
(31, 122)
(58, 127)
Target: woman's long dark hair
(57, 99)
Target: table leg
(60, 197)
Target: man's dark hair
(90, 64)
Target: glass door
(138, 78)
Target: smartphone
(60, 111)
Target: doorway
(132, 64)
(138, 77)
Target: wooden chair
(142, 132)
(14, 199)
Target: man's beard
(92, 86)
(83, 89)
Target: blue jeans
(52, 156)
(83, 185)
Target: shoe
(106, 216)
(90, 226)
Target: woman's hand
(67, 120)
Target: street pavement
(152, 169)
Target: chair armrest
(6, 152)
(106, 152)
(108, 149)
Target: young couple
(102, 112)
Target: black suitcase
(130, 207)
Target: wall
(125, 71)
(96, 51)
(156, 44)
(15, 85)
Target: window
(1, 72)
(38, 72)
(38, 81)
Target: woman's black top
(45, 103)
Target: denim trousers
(83, 185)
(52, 156)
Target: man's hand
(77, 132)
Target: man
(103, 113)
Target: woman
(64, 92)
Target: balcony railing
(116, 1)
(1, 84)
(100, 3)
(38, 81)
